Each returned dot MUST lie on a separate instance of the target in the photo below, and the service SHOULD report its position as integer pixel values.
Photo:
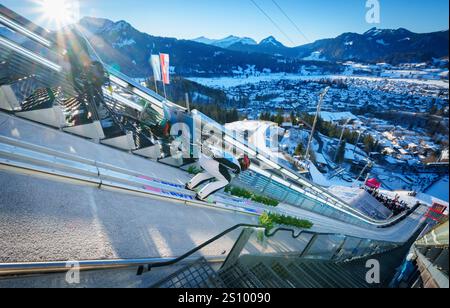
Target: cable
(291, 21)
(273, 22)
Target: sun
(58, 13)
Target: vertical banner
(156, 66)
(165, 67)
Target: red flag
(373, 183)
(165, 67)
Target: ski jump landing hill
(87, 181)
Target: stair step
(323, 281)
(328, 274)
(197, 275)
(40, 99)
(284, 274)
(305, 280)
(340, 276)
(237, 277)
(353, 279)
(268, 278)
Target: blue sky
(219, 18)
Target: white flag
(165, 67)
(156, 66)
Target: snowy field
(230, 82)
(440, 189)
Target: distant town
(393, 120)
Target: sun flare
(58, 12)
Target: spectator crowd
(396, 205)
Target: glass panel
(363, 248)
(292, 198)
(308, 205)
(324, 247)
(372, 249)
(330, 212)
(358, 250)
(348, 249)
(280, 244)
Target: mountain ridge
(124, 46)
(375, 45)
(225, 42)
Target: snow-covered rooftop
(337, 116)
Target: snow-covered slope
(225, 42)
(271, 41)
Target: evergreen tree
(300, 150)
(294, 118)
(279, 119)
(370, 145)
(341, 153)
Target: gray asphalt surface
(45, 220)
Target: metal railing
(438, 236)
(25, 155)
(146, 264)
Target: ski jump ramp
(55, 215)
(68, 191)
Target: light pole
(313, 129)
(359, 138)
(342, 137)
(369, 164)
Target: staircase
(257, 271)
(267, 273)
(273, 272)
(200, 274)
(280, 259)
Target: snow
(336, 116)
(374, 32)
(362, 201)
(204, 40)
(123, 43)
(353, 155)
(318, 177)
(382, 42)
(321, 159)
(271, 41)
(393, 161)
(231, 40)
(440, 189)
(315, 56)
(225, 42)
(230, 82)
(292, 138)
